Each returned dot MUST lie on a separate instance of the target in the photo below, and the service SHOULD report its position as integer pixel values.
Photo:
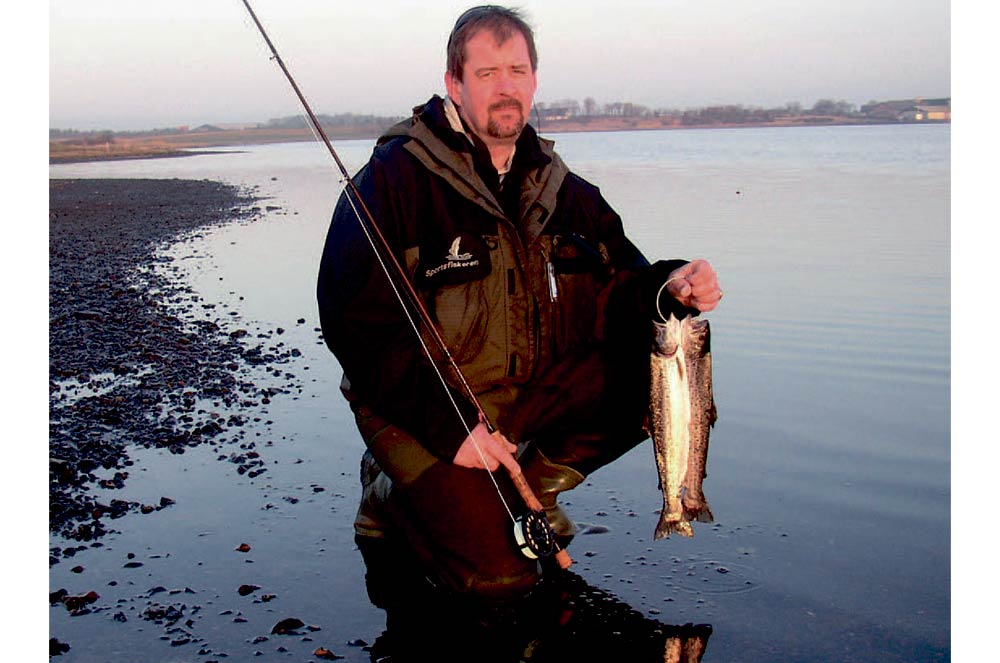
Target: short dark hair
(501, 21)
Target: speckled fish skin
(703, 415)
(682, 411)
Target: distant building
(910, 110)
(933, 113)
(555, 113)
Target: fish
(682, 413)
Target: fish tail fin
(666, 527)
(698, 511)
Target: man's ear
(451, 85)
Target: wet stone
(75, 603)
(287, 626)
(57, 648)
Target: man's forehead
(486, 42)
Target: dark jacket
(518, 277)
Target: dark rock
(57, 648)
(326, 654)
(76, 602)
(159, 614)
(287, 625)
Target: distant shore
(193, 143)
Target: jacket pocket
(462, 313)
(574, 271)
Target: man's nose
(505, 84)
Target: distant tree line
(339, 120)
(101, 136)
(571, 108)
(75, 137)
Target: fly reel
(534, 536)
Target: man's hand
(495, 447)
(695, 285)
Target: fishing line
(437, 370)
(532, 531)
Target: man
(543, 302)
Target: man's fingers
(678, 286)
(502, 450)
(504, 442)
(511, 464)
(695, 284)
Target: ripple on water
(710, 576)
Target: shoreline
(181, 145)
(125, 157)
(120, 356)
(176, 498)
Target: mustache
(506, 103)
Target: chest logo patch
(454, 259)
(454, 255)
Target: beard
(513, 129)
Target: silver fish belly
(682, 411)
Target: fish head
(667, 336)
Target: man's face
(497, 87)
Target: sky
(127, 65)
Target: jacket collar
(449, 154)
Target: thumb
(678, 286)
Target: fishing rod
(532, 531)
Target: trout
(682, 411)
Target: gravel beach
(138, 361)
(124, 367)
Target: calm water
(830, 463)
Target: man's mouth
(513, 104)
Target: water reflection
(565, 619)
